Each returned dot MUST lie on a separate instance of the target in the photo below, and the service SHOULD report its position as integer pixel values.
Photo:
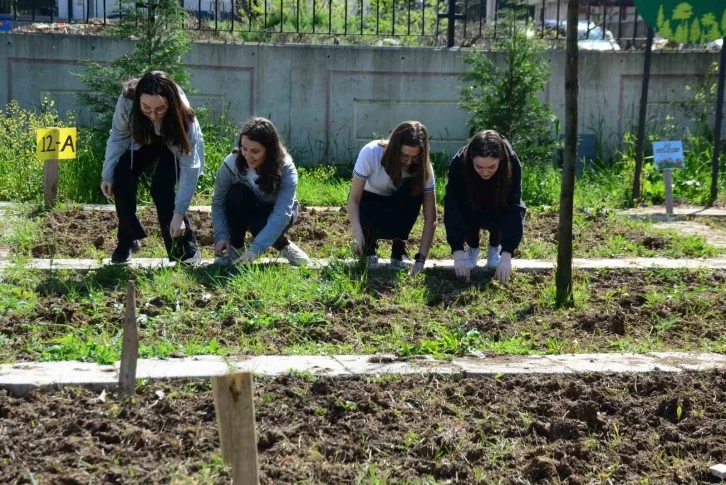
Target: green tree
(710, 26)
(723, 22)
(161, 42)
(661, 18)
(504, 97)
(681, 34)
(684, 11)
(665, 30)
(696, 34)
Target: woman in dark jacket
(484, 191)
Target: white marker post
(54, 144)
(668, 179)
(668, 155)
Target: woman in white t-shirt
(392, 179)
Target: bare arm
(429, 210)
(356, 193)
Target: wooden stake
(235, 409)
(130, 347)
(50, 182)
(668, 191)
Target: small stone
(718, 471)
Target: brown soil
(75, 233)
(630, 429)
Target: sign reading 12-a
(56, 144)
(686, 22)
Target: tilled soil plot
(80, 317)
(630, 429)
(77, 233)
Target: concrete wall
(339, 96)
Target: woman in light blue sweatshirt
(154, 133)
(255, 191)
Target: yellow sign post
(54, 144)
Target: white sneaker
(405, 262)
(473, 255)
(493, 256)
(295, 255)
(194, 260)
(372, 259)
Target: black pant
(472, 233)
(389, 217)
(159, 162)
(245, 212)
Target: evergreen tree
(161, 42)
(661, 18)
(505, 98)
(696, 33)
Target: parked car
(590, 36)
(716, 45)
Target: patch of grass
(268, 309)
(322, 186)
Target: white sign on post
(668, 155)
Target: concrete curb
(523, 265)
(23, 377)
(687, 210)
(193, 208)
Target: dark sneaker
(122, 253)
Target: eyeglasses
(157, 111)
(409, 159)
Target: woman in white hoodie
(154, 133)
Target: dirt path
(688, 220)
(713, 236)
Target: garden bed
(634, 429)
(78, 233)
(341, 310)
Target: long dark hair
(263, 132)
(412, 134)
(493, 192)
(175, 121)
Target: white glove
(504, 270)
(462, 269)
(247, 257)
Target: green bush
(21, 172)
(505, 98)
(162, 42)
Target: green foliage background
(693, 22)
